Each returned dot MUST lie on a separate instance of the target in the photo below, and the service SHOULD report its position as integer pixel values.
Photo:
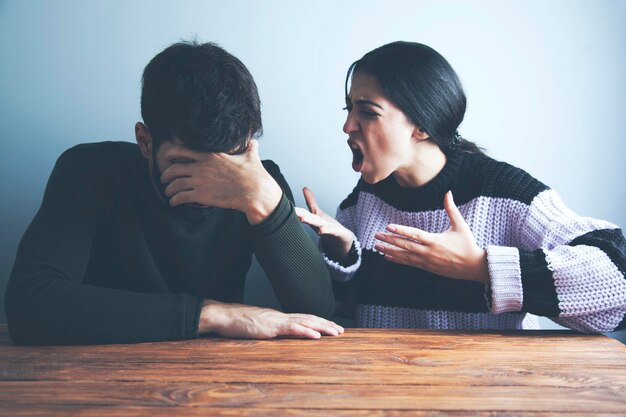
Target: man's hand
(237, 182)
(243, 321)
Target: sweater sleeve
(290, 259)
(340, 270)
(46, 299)
(565, 267)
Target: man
(152, 241)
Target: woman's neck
(426, 162)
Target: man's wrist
(263, 202)
(211, 317)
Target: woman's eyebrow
(371, 103)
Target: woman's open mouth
(357, 156)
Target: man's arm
(46, 301)
(289, 257)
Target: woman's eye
(368, 113)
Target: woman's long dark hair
(420, 81)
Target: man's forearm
(293, 263)
(62, 312)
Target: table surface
(363, 372)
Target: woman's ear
(420, 134)
(144, 140)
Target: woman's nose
(350, 125)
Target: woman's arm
(560, 265)
(339, 245)
(571, 268)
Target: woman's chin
(371, 178)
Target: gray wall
(545, 83)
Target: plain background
(545, 81)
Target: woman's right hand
(336, 239)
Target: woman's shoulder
(482, 175)
(352, 198)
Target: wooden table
(363, 372)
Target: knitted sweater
(543, 258)
(106, 261)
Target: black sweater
(106, 261)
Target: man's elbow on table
(19, 315)
(28, 309)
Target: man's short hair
(201, 95)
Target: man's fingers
(176, 171)
(319, 324)
(321, 327)
(184, 197)
(181, 151)
(298, 330)
(309, 197)
(179, 185)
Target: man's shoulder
(114, 150)
(103, 168)
(270, 165)
(272, 168)
(92, 157)
(92, 175)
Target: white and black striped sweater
(543, 258)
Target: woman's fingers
(455, 216)
(311, 203)
(401, 256)
(320, 224)
(412, 233)
(309, 218)
(401, 243)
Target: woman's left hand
(453, 253)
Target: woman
(504, 246)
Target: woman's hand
(453, 253)
(336, 239)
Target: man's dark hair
(202, 95)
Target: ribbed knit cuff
(275, 220)
(338, 270)
(505, 279)
(193, 307)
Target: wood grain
(363, 372)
